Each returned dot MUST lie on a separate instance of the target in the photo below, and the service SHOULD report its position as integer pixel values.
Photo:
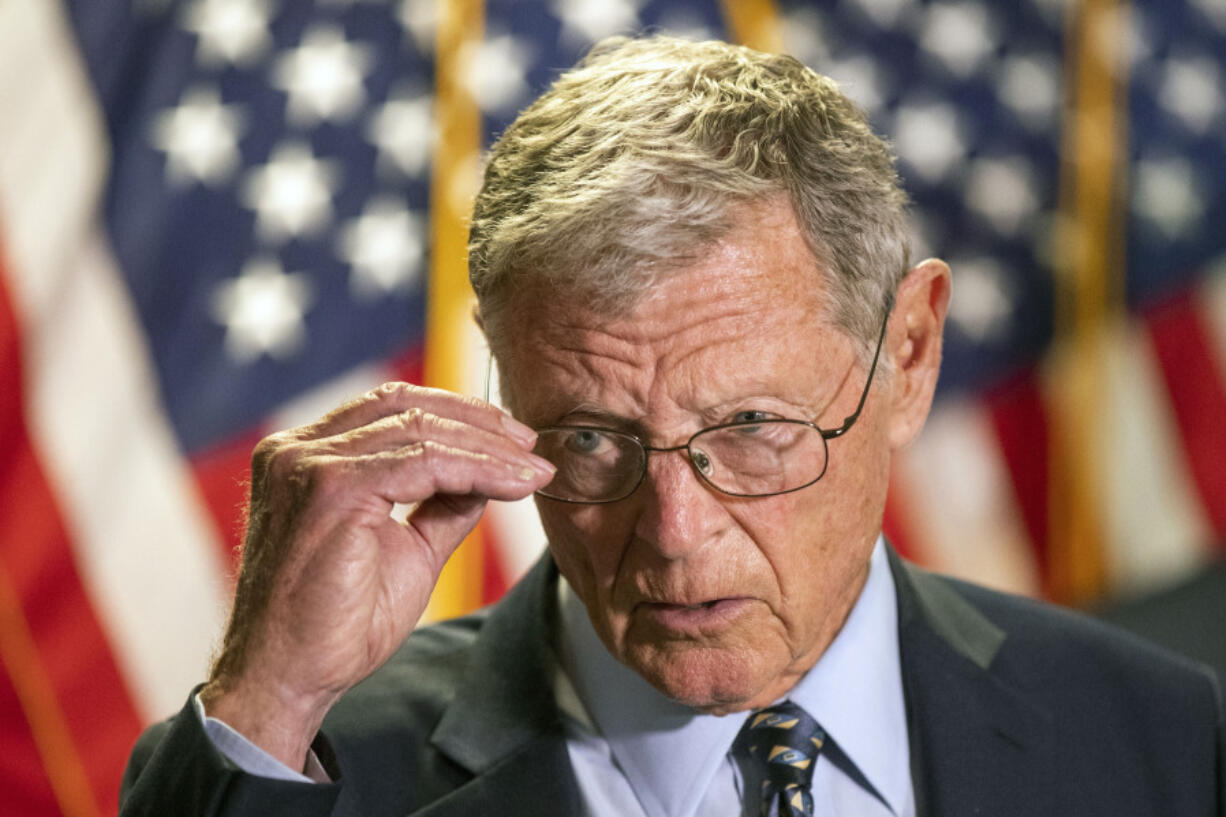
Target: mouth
(700, 618)
(705, 605)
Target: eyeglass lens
(759, 459)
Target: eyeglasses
(756, 458)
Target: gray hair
(630, 164)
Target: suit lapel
(532, 782)
(503, 725)
(979, 746)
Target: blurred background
(223, 217)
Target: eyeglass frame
(826, 434)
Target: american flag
(223, 217)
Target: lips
(705, 605)
(701, 618)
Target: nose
(680, 512)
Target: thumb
(443, 520)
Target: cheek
(789, 535)
(587, 542)
(845, 507)
(810, 540)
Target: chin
(712, 680)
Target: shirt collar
(855, 690)
(669, 753)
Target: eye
(585, 441)
(750, 416)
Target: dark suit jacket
(1015, 708)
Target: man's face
(720, 602)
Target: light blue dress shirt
(636, 753)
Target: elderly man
(692, 268)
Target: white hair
(629, 166)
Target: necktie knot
(778, 748)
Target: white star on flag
(199, 137)
(1214, 11)
(1191, 90)
(262, 311)
(980, 304)
(403, 131)
(586, 21)
(927, 137)
(323, 76)
(960, 36)
(859, 77)
(1030, 86)
(292, 193)
(1002, 192)
(419, 19)
(495, 72)
(384, 247)
(231, 32)
(804, 37)
(1168, 196)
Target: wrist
(283, 723)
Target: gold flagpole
(460, 27)
(754, 23)
(1088, 293)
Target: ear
(914, 338)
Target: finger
(415, 473)
(430, 468)
(394, 398)
(417, 425)
(444, 520)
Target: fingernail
(518, 430)
(542, 465)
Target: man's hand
(330, 583)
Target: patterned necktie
(778, 746)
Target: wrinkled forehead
(758, 284)
(724, 292)
(762, 242)
(685, 343)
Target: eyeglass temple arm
(850, 420)
(489, 373)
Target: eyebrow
(593, 415)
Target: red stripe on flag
(1019, 418)
(27, 790)
(80, 686)
(407, 366)
(494, 574)
(898, 509)
(1198, 396)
